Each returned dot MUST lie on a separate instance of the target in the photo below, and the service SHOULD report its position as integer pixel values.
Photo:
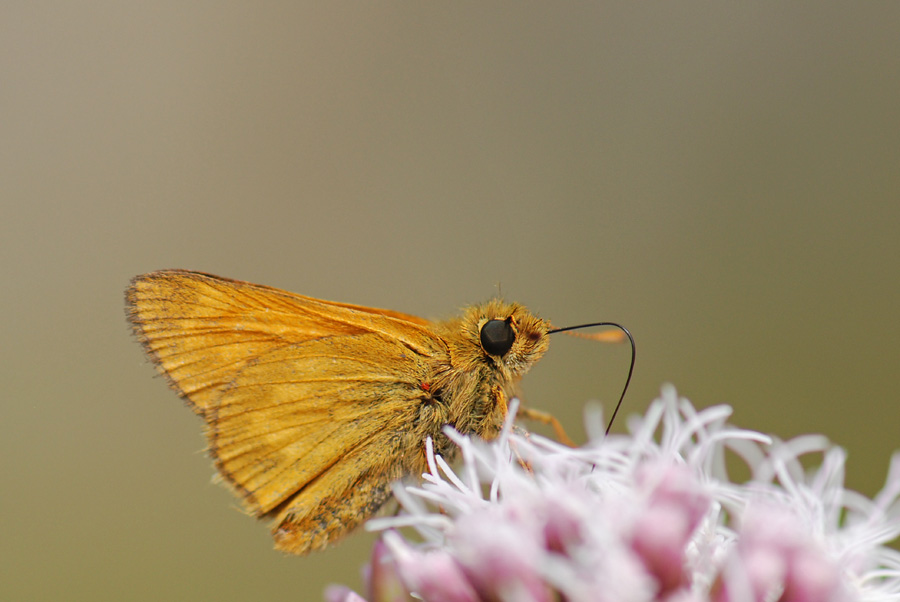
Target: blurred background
(722, 179)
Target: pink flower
(649, 516)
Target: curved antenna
(630, 368)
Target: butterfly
(313, 408)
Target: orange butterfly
(314, 408)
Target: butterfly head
(505, 335)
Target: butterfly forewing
(202, 329)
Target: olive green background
(724, 179)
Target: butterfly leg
(549, 419)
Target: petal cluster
(648, 516)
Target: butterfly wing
(308, 403)
(202, 329)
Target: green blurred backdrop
(724, 179)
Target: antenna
(601, 338)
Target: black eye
(497, 337)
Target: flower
(648, 516)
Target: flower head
(649, 516)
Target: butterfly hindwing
(291, 415)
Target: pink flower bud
(339, 593)
(384, 581)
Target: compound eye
(497, 337)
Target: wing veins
(335, 379)
(294, 402)
(255, 436)
(352, 359)
(322, 436)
